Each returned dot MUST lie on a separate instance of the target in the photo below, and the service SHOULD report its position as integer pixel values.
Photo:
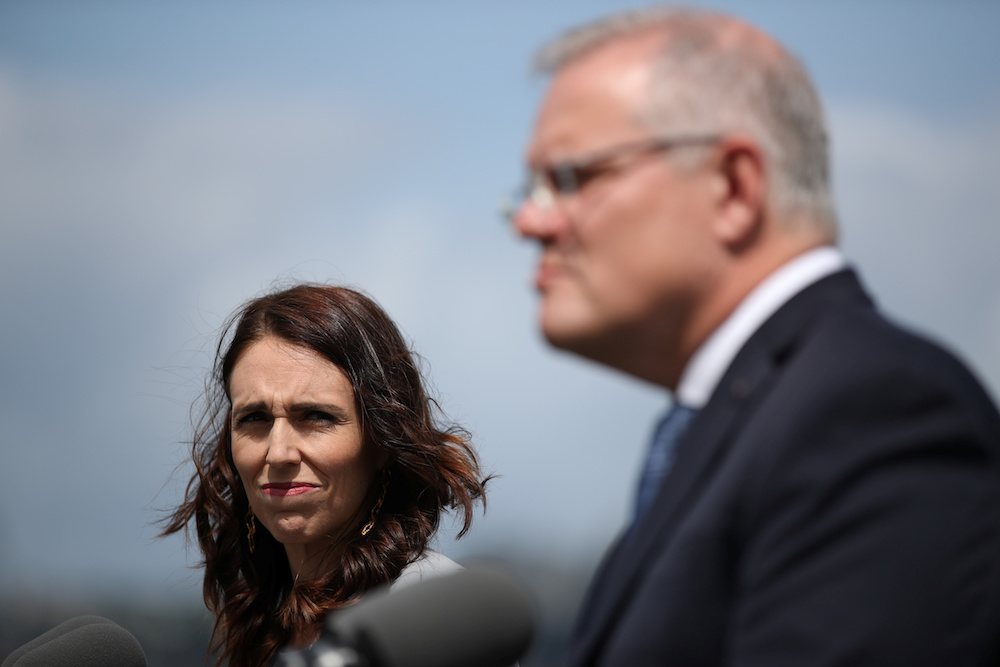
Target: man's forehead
(621, 55)
(582, 43)
(596, 94)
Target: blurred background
(162, 162)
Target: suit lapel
(699, 453)
(621, 573)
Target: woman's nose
(282, 446)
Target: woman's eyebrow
(332, 408)
(249, 407)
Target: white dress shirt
(710, 361)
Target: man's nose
(537, 217)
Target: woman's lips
(287, 489)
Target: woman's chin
(291, 530)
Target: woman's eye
(250, 418)
(320, 416)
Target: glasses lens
(510, 205)
(541, 194)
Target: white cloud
(160, 173)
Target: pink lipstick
(287, 488)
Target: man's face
(625, 258)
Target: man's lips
(286, 488)
(547, 272)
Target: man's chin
(558, 339)
(579, 332)
(558, 325)
(564, 331)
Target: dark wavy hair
(257, 606)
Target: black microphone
(478, 617)
(84, 641)
(58, 631)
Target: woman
(320, 470)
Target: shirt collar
(710, 361)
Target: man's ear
(741, 192)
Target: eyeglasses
(570, 176)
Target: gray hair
(717, 74)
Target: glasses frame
(567, 177)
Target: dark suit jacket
(837, 502)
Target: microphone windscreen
(479, 616)
(93, 645)
(58, 631)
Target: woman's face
(297, 445)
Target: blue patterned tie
(660, 455)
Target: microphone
(84, 641)
(58, 631)
(478, 617)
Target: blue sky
(162, 162)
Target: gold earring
(251, 529)
(377, 507)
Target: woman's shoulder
(430, 564)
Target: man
(833, 495)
